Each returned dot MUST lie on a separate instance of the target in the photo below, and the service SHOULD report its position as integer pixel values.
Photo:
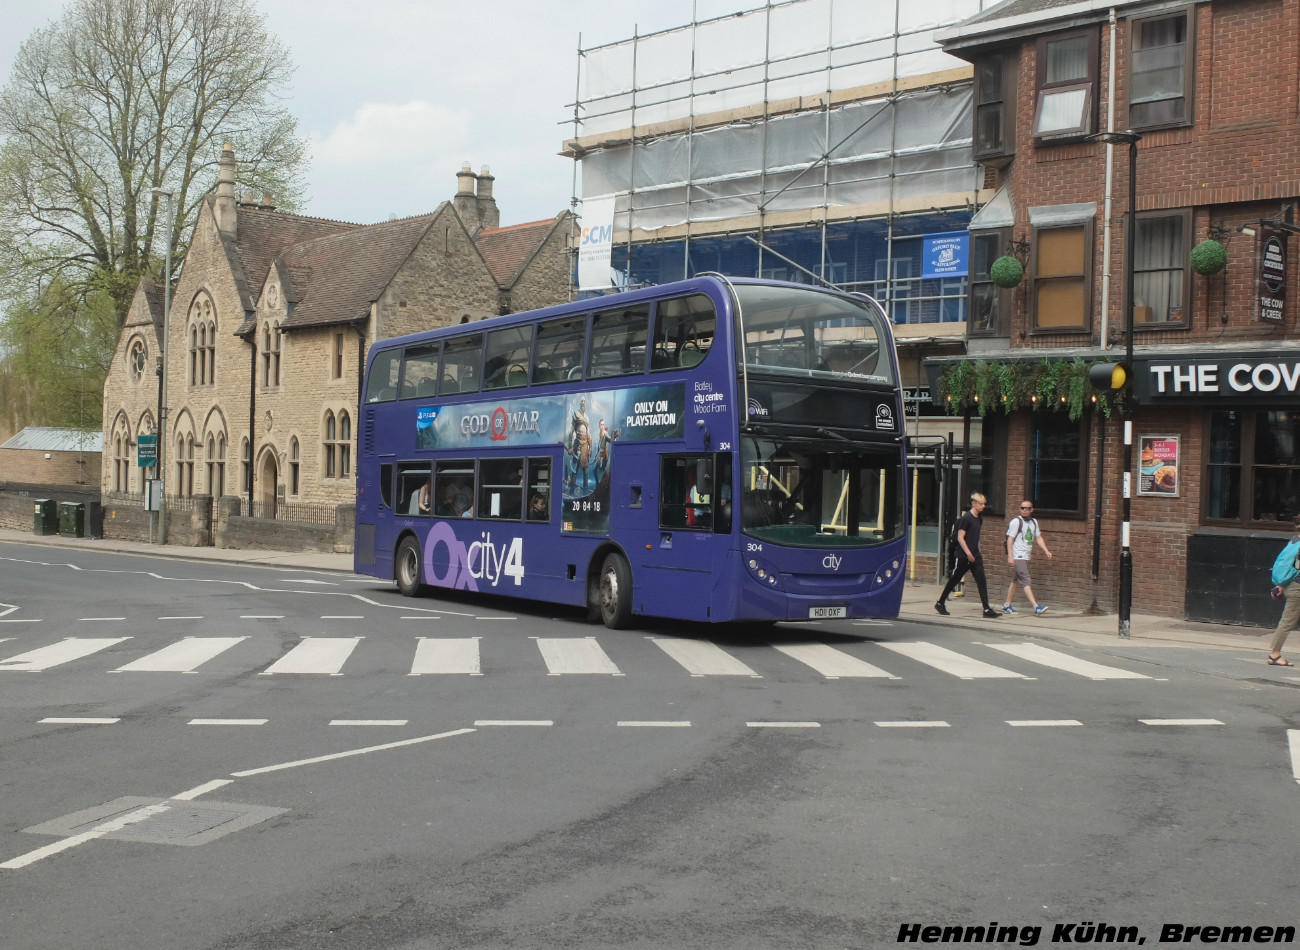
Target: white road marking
(369, 722)
(351, 752)
(784, 725)
(343, 617)
(575, 655)
(701, 658)
(1063, 661)
(108, 827)
(23, 620)
(914, 724)
(182, 656)
(203, 789)
(261, 617)
(1180, 722)
(447, 656)
(63, 652)
(655, 724)
(81, 721)
(96, 619)
(1043, 722)
(952, 662)
(831, 662)
(1293, 740)
(514, 722)
(180, 618)
(315, 655)
(228, 722)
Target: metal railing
(293, 511)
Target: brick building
(271, 318)
(1210, 90)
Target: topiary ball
(1007, 272)
(1209, 257)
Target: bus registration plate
(825, 613)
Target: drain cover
(164, 821)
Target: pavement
(1078, 626)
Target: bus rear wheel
(406, 567)
(615, 592)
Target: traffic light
(1108, 377)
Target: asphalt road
(224, 756)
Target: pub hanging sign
(1272, 276)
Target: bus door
(694, 529)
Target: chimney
(464, 202)
(489, 216)
(224, 208)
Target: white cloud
(379, 132)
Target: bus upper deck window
(561, 350)
(382, 382)
(420, 371)
(684, 331)
(618, 341)
(461, 358)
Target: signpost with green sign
(146, 447)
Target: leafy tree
(117, 98)
(58, 349)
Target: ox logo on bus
(465, 565)
(884, 416)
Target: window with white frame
(1067, 86)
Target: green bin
(47, 516)
(72, 519)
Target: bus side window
(501, 489)
(453, 489)
(386, 485)
(413, 492)
(539, 489)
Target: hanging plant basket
(1007, 271)
(1209, 257)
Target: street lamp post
(1129, 138)
(162, 387)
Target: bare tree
(120, 97)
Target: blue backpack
(1284, 568)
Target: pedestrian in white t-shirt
(1022, 534)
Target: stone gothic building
(271, 318)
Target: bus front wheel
(407, 567)
(615, 592)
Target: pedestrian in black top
(968, 557)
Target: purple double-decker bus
(716, 449)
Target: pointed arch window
(295, 467)
(345, 445)
(331, 438)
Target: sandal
(1279, 661)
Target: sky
(395, 95)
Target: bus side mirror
(704, 477)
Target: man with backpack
(1285, 570)
(968, 557)
(1022, 533)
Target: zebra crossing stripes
(181, 657)
(65, 651)
(575, 655)
(326, 656)
(701, 658)
(950, 661)
(830, 662)
(1063, 661)
(315, 655)
(460, 655)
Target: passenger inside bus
(538, 508)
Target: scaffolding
(813, 140)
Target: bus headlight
(761, 572)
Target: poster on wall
(1159, 460)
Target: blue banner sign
(945, 255)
